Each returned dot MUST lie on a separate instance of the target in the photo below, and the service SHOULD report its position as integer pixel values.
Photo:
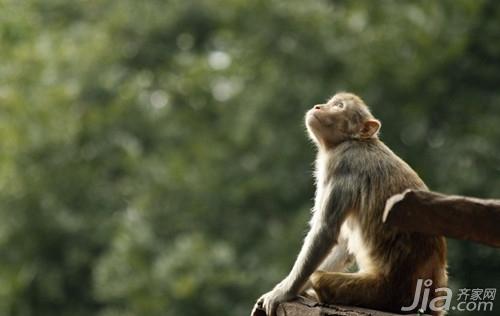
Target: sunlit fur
(355, 174)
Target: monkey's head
(345, 116)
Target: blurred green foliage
(153, 157)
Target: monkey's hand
(269, 302)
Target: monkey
(355, 173)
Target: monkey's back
(403, 257)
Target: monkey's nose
(317, 107)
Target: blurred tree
(154, 160)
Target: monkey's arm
(329, 213)
(323, 235)
(317, 244)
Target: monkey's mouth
(321, 121)
(317, 118)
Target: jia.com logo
(468, 299)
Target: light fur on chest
(350, 233)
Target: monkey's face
(345, 116)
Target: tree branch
(452, 216)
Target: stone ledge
(307, 307)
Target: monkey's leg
(339, 259)
(360, 289)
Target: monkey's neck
(325, 148)
(327, 155)
(323, 161)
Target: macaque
(355, 174)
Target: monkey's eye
(339, 104)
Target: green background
(153, 159)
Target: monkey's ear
(370, 128)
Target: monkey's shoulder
(372, 158)
(360, 154)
